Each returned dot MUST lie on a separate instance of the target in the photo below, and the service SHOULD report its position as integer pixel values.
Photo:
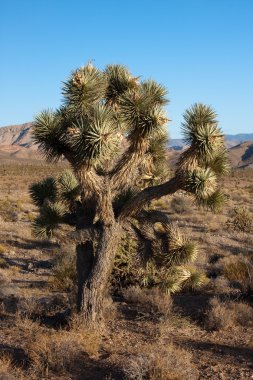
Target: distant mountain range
(16, 143)
(230, 140)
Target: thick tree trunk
(84, 262)
(84, 251)
(94, 289)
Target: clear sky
(201, 50)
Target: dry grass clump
(181, 205)
(9, 210)
(220, 285)
(152, 301)
(161, 362)
(8, 371)
(240, 271)
(63, 350)
(27, 326)
(241, 220)
(6, 287)
(225, 315)
(64, 272)
(55, 352)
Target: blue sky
(201, 50)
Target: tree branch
(135, 205)
(126, 170)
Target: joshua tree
(112, 130)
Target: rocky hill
(16, 143)
(241, 155)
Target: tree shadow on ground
(221, 350)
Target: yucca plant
(112, 129)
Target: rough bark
(84, 234)
(96, 285)
(84, 262)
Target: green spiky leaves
(47, 134)
(85, 87)
(51, 214)
(214, 201)
(95, 138)
(120, 80)
(200, 182)
(68, 186)
(206, 141)
(45, 190)
(55, 200)
(175, 248)
(142, 110)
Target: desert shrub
(152, 301)
(241, 272)
(6, 287)
(220, 285)
(26, 325)
(228, 314)
(161, 362)
(8, 371)
(60, 351)
(241, 220)
(9, 210)
(64, 271)
(130, 270)
(126, 269)
(181, 205)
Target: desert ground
(201, 334)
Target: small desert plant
(228, 314)
(8, 371)
(241, 272)
(161, 362)
(64, 272)
(152, 301)
(8, 210)
(241, 220)
(60, 351)
(6, 287)
(181, 205)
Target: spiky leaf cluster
(47, 134)
(68, 186)
(142, 111)
(45, 190)
(51, 215)
(154, 168)
(85, 87)
(95, 136)
(119, 80)
(206, 158)
(98, 107)
(55, 199)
